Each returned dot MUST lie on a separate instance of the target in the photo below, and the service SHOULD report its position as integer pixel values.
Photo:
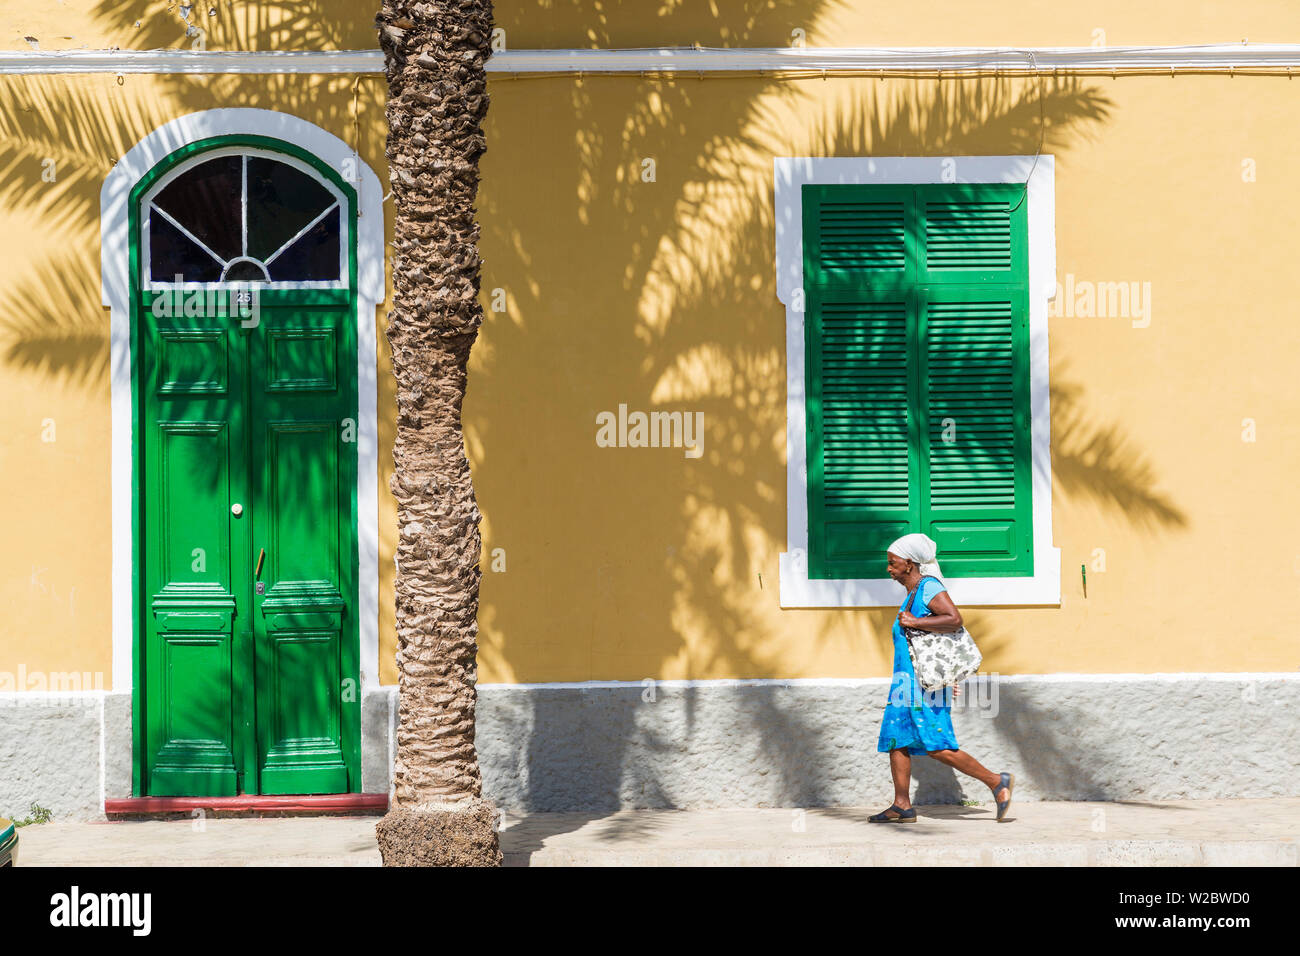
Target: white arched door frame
(114, 201)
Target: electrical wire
(1042, 129)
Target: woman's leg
(960, 760)
(900, 767)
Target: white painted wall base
(602, 746)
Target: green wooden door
(246, 478)
(303, 526)
(195, 466)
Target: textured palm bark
(435, 53)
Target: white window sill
(798, 590)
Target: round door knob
(236, 509)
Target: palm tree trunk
(435, 52)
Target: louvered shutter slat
(863, 235)
(971, 234)
(857, 235)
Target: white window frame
(790, 175)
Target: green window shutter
(860, 265)
(862, 477)
(975, 504)
(917, 291)
(974, 316)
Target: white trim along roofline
(115, 276)
(1212, 57)
(791, 173)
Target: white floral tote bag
(941, 658)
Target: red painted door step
(251, 805)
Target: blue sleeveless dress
(915, 719)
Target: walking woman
(916, 722)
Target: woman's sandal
(1009, 781)
(904, 816)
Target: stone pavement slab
(279, 841)
(1171, 833)
(1262, 832)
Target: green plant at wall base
(970, 803)
(38, 815)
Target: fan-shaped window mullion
(187, 234)
(315, 254)
(204, 200)
(174, 253)
(243, 206)
(282, 202)
(246, 213)
(301, 232)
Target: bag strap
(911, 601)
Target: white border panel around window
(791, 173)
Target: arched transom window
(245, 216)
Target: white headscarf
(919, 548)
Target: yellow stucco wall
(634, 563)
(55, 573)
(631, 563)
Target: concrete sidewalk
(1178, 833)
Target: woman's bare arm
(943, 615)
